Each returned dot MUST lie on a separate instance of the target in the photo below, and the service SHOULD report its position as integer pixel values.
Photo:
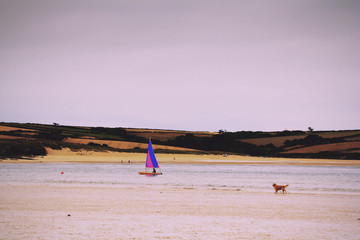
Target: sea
(247, 178)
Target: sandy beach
(66, 155)
(67, 210)
(73, 212)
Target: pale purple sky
(191, 65)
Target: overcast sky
(178, 64)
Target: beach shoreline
(66, 155)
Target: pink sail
(148, 161)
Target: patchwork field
(18, 139)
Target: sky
(198, 65)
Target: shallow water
(248, 178)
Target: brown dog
(280, 188)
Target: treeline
(20, 148)
(230, 142)
(311, 140)
(223, 142)
(115, 134)
(259, 134)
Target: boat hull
(149, 173)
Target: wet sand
(66, 155)
(39, 211)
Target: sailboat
(151, 167)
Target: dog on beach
(280, 188)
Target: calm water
(250, 178)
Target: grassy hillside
(26, 140)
